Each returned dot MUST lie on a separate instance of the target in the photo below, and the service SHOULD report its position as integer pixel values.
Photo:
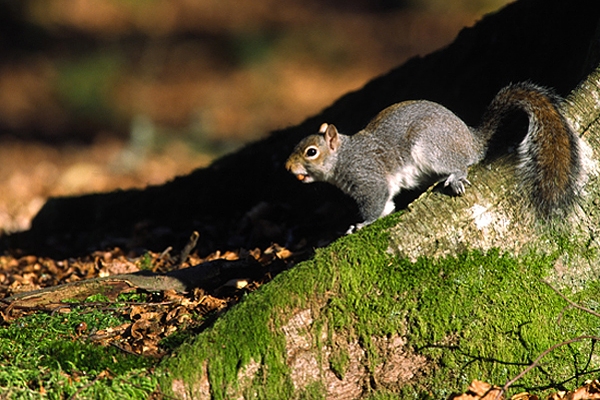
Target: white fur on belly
(409, 176)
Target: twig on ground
(571, 302)
(537, 360)
(185, 253)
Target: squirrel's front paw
(355, 228)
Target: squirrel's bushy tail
(550, 167)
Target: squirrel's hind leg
(457, 181)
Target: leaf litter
(156, 320)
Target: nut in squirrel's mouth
(304, 178)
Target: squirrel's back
(423, 126)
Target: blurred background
(97, 95)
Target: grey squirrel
(410, 142)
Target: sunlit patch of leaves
(146, 319)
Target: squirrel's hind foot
(457, 182)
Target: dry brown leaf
(591, 391)
(479, 390)
(151, 315)
(256, 253)
(177, 315)
(524, 396)
(230, 256)
(210, 303)
(81, 328)
(121, 267)
(173, 296)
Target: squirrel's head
(314, 157)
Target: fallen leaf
(479, 390)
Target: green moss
(41, 353)
(386, 395)
(97, 298)
(313, 391)
(474, 316)
(338, 362)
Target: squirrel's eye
(311, 152)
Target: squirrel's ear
(331, 137)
